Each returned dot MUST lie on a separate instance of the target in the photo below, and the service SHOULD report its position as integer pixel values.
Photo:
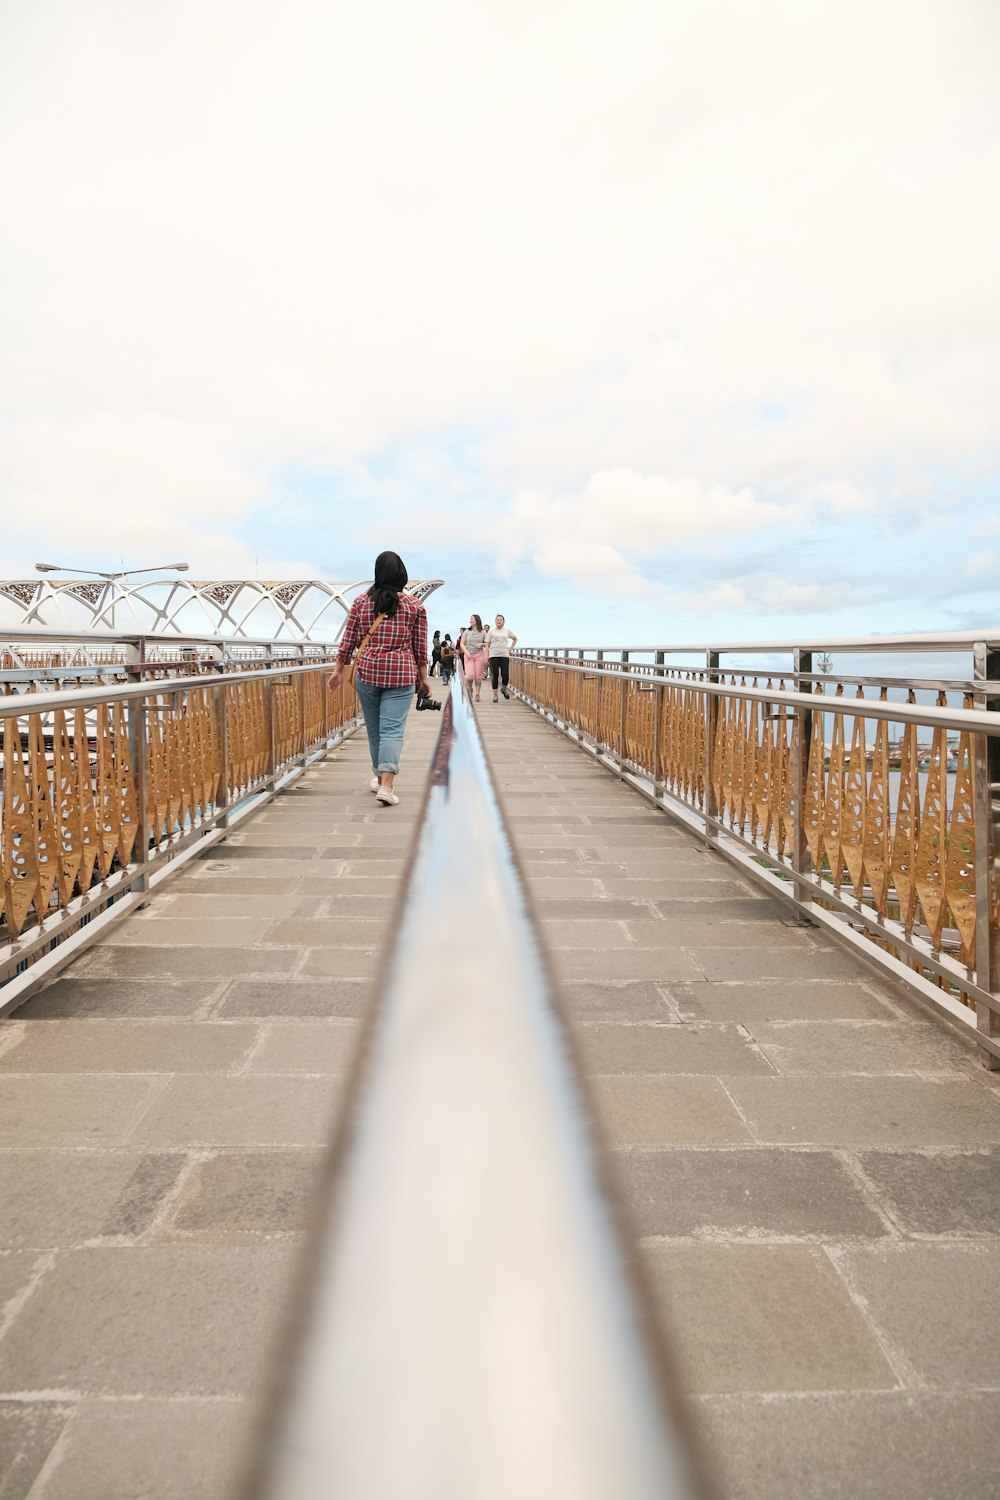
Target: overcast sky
(639, 321)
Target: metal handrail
(935, 640)
(17, 706)
(466, 1328)
(974, 720)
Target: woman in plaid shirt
(392, 660)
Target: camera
(424, 700)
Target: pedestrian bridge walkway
(811, 1161)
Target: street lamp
(122, 573)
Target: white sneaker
(373, 785)
(386, 796)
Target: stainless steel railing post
(138, 744)
(224, 792)
(986, 788)
(802, 732)
(711, 726)
(622, 716)
(656, 768)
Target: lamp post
(180, 567)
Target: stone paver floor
(811, 1161)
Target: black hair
(391, 578)
(479, 623)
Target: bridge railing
(872, 813)
(104, 790)
(34, 659)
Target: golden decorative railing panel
(883, 834)
(100, 787)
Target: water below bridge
(812, 1162)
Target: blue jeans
(385, 711)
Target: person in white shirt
(500, 642)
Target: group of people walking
(386, 637)
(476, 652)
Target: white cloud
(982, 564)
(699, 267)
(770, 594)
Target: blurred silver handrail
(468, 1328)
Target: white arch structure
(276, 609)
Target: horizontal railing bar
(17, 705)
(919, 684)
(975, 720)
(938, 640)
(662, 671)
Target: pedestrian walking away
(435, 651)
(388, 629)
(474, 654)
(447, 660)
(500, 642)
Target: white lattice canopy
(273, 609)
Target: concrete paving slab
(386, 871)
(567, 888)
(946, 1193)
(161, 1321)
(160, 926)
(28, 1433)
(296, 998)
(597, 908)
(129, 1047)
(57, 1198)
(323, 932)
(676, 1048)
(626, 963)
(754, 1005)
(234, 853)
(936, 1306)
(151, 962)
(151, 1450)
(745, 1193)
(337, 963)
(306, 1047)
(666, 1110)
(881, 1047)
(844, 1111)
(640, 1000)
(713, 882)
(905, 1446)
(244, 1197)
(64, 1109)
(18, 1268)
(650, 931)
(291, 833)
(84, 999)
(283, 874)
(363, 908)
(723, 910)
(593, 934)
(243, 1111)
(203, 876)
(798, 1328)
(777, 962)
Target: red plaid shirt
(397, 649)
